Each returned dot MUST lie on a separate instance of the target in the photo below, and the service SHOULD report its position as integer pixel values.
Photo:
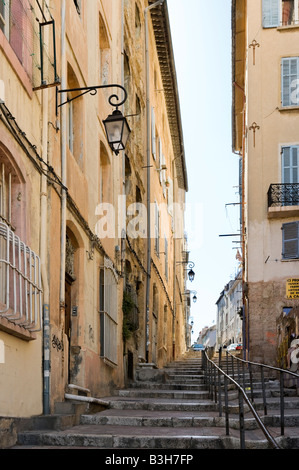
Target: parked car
(232, 347)
(240, 346)
(198, 347)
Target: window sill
(287, 27)
(16, 330)
(283, 212)
(288, 108)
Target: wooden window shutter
(153, 132)
(289, 81)
(271, 13)
(290, 234)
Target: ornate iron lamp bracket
(93, 91)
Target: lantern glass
(191, 275)
(117, 130)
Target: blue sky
(201, 36)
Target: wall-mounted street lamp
(194, 298)
(191, 273)
(116, 125)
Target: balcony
(283, 200)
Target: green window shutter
(290, 234)
(271, 13)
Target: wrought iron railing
(283, 195)
(213, 377)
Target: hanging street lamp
(191, 273)
(116, 125)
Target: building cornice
(161, 27)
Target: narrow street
(172, 409)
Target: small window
(280, 13)
(4, 17)
(290, 238)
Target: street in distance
(152, 459)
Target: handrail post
(227, 362)
(243, 372)
(226, 406)
(263, 390)
(233, 367)
(281, 404)
(251, 383)
(241, 418)
(219, 393)
(215, 385)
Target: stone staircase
(169, 409)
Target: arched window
(12, 193)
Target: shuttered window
(4, 17)
(290, 81)
(271, 13)
(290, 239)
(290, 164)
(108, 313)
(157, 229)
(153, 132)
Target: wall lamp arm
(93, 91)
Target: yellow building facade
(92, 241)
(265, 122)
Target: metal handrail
(242, 395)
(277, 369)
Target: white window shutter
(271, 13)
(153, 134)
(163, 176)
(170, 197)
(160, 159)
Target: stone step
(171, 409)
(115, 437)
(168, 386)
(169, 394)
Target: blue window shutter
(271, 13)
(290, 235)
(289, 81)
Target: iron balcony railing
(283, 195)
(213, 376)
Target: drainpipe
(63, 164)
(43, 257)
(148, 123)
(43, 253)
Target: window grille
(108, 312)
(20, 282)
